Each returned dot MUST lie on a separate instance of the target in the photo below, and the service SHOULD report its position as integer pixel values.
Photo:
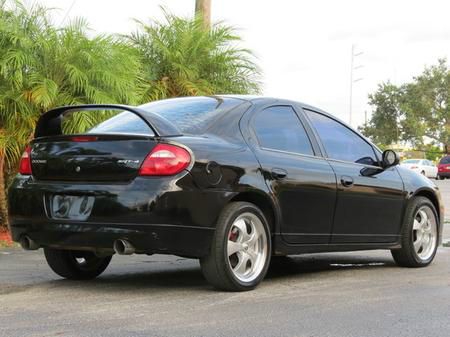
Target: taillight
(25, 162)
(165, 160)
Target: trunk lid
(89, 157)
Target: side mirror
(390, 158)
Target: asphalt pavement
(334, 294)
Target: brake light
(83, 139)
(25, 162)
(165, 160)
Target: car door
(422, 167)
(301, 180)
(432, 170)
(426, 167)
(370, 201)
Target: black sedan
(230, 180)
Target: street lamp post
(352, 69)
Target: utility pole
(203, 9)
(352, 69)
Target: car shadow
(187, 274)
(308, 265)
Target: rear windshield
(445, 160)
(411, 161)
(123, 123)
(191, 115)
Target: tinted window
(411, 161)
(279, 128)
(445, 160)
(192, 115)
(124, 122)
(340, 142)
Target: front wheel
(240, 250)
(419, 235)
(76, 265)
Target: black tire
(422, 173)
(406, 256)
(216, 267)
(76, 265)
(440, 177)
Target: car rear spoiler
(50, 123)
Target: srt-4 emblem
(127, 161)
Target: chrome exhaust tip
(27, 244)
(123, 247)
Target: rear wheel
(440, 177)
(76, 265)
(241, 249)
(420, 235)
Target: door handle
(347, 181)
(278, 173)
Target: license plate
(71, 207)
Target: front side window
(279, 128)
(340, 142)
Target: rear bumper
(147, 239)
(444, 174)
(164, 215)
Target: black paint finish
(313, 203)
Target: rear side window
(445, 160)
(340, 142)
(278, 128)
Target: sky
(304, 47)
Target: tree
(203, 9)
(182, 59)
(383, 127)
(42, 67)
(426, 107)
(416, 112)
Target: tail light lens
(25, 162)
(165, 160)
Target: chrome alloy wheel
(247, 247)
(424, 233)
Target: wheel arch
(430, 195)
(263, 202)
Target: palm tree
(42, 67)
(181, 58)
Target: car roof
(255, 99)
(268, 99)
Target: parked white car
(422, 166)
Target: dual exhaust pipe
(121, 246)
